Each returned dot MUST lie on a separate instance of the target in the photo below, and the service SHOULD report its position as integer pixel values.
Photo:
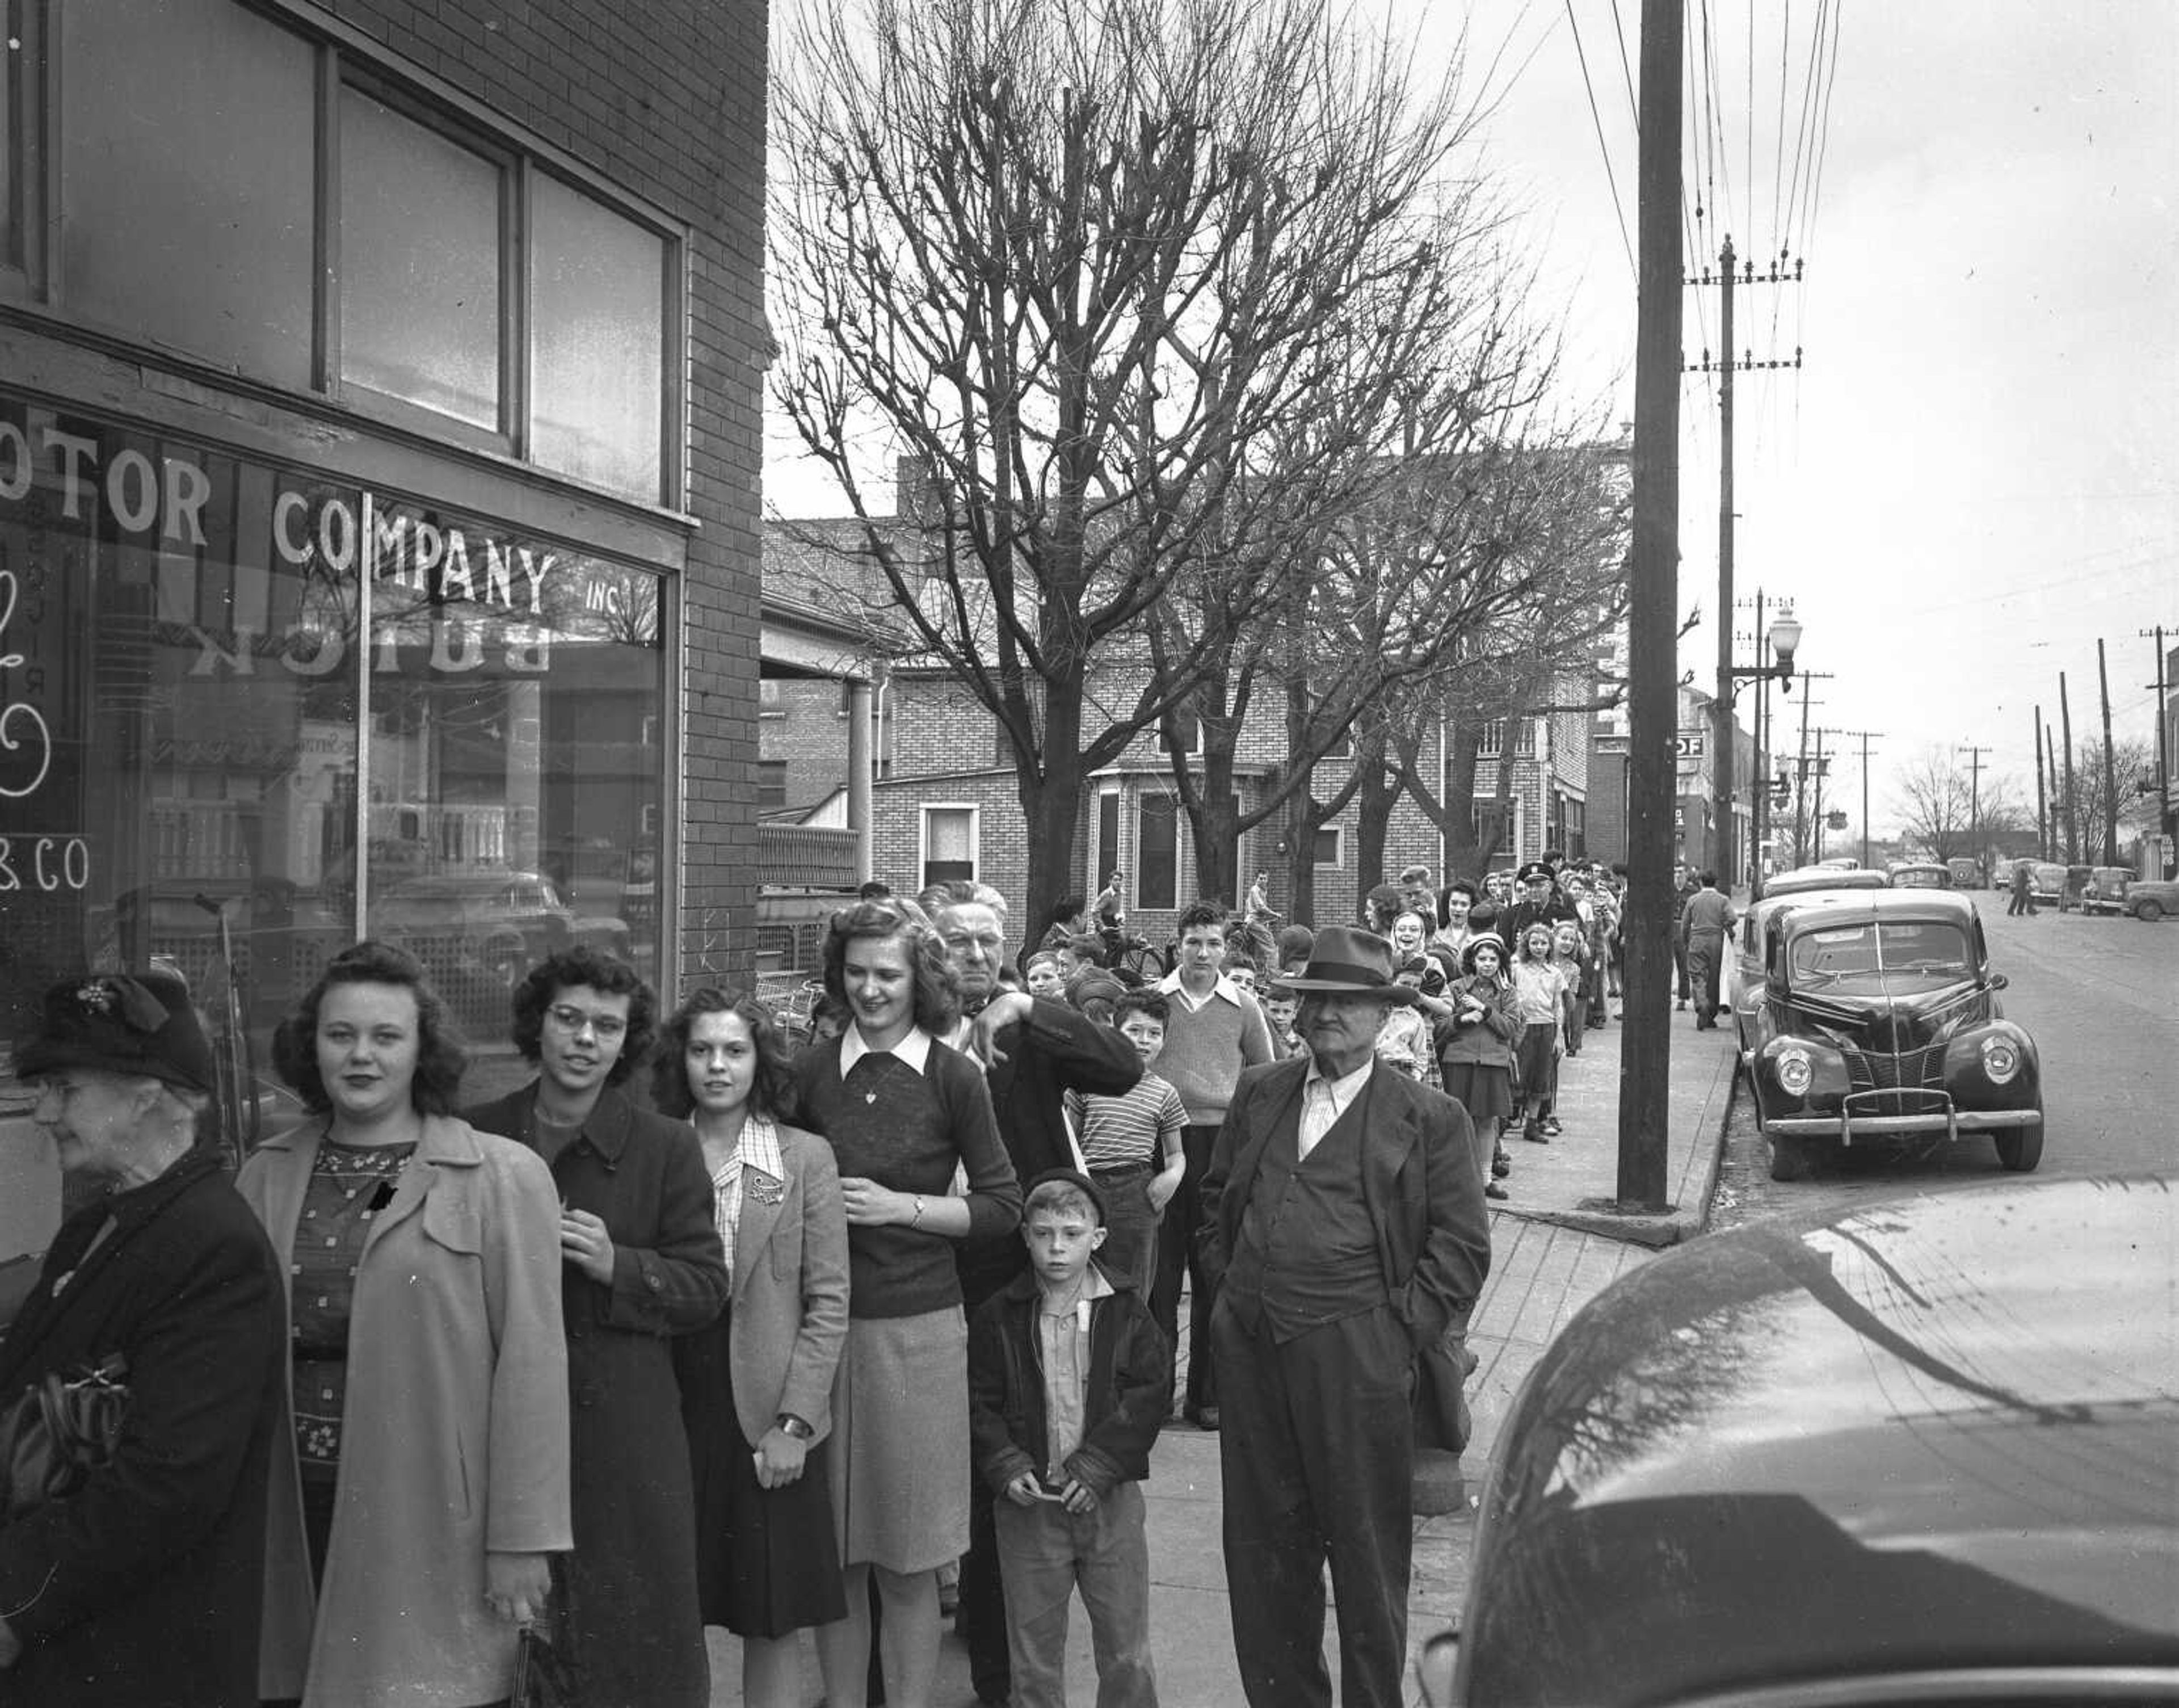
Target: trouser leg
(1036, 1560)
(1112, 1569)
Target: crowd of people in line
(810, 1325)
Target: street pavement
(1554, 1244)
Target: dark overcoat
(147, 1585)
(632, 1579)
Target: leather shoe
(1501, 1165)
(1206, 1420)
(1491, 1189)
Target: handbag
(62, 1428)
(543, 1678)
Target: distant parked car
(2048, 883)
(2105, 890)
(2152, 898)
(1880, 1018)
(1921, 875)
(1915, 1451)
(2076, 883)
(1966, 874)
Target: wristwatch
(791, 1425)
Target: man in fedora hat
(1344, 1232)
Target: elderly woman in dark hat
(145, 1584)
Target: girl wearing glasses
(641, 1263)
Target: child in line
(1068, 1381)
(1538, 1001)
(1131, 1145)
(1281, 1007)
(1040, 976)
(1570, 955)
(1475, 1052)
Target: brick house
(944, 802)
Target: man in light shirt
(1344, 1232)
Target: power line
(1626, 242)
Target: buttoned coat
(145, 1585)
(790, 1304)
(632, 1579)
(454, 1440)
(1418, 1180)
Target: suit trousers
(1704, 952)
(1177, 1257)
(1316, 1459)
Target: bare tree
(1939, 812)
(1151, 289)
(2132, 762)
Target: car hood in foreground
(1906, 1014)
(1937, 1432)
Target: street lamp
(1785, 638)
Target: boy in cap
(1068, 1381)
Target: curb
(1653, 1228)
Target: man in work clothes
(1704, 926)
(1344, 1232)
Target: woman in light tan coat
(421, 1481)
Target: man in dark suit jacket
(1345, 1232)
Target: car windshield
(1873, 954)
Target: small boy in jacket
(1068, 1381)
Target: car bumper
(1950, 1122)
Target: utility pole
(2051, 752)
(2072, 801)
(2163, 822)
(1974, 799)
(1818, 815)
(1866, 736)
(1801, 856)
(2110, 778)
(1721, 757)
(1653, 711)
(2042, 833)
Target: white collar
(759, 1148)
(1344, 1088)
(914, 1049)
(1171, 985)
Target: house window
(1157, 852)
(1108, 839)
(770, 784)
(1331, 844)
(1187, 727)
(1494, 739)
(768, 701)
(949, 844)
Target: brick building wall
(668, 102)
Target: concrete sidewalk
(1554, 1244)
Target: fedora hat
(1350, 962)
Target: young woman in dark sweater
(900, 1111)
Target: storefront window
(187, 726)
(188, 159)
(597, 320)
(419, 286)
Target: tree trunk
(1049, 786)
(1467, 858)
(1380, 789)
(1213, 819)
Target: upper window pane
(598, 342)
(186, 175)
(420, 263)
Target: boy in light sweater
(1214, 1031)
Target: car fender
(1971, 1085)
(1827, 1087)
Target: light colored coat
(454, 1442)
(790, 1295)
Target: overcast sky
(1971, 479)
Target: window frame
(1166, 803)
(1337, 832)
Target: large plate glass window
(178, 711)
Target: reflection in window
(420, 289)
(184, 716)
(187, 167)
(598, 342)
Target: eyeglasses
(571, 1018)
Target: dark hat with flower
(136, 1023)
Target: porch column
(859, 776)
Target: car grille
(1872, 1070)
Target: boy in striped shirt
(1131, 1145)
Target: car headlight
(2001, 1059)
(1795, 1072)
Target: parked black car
(1920, 1452)
(1878, 1015)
